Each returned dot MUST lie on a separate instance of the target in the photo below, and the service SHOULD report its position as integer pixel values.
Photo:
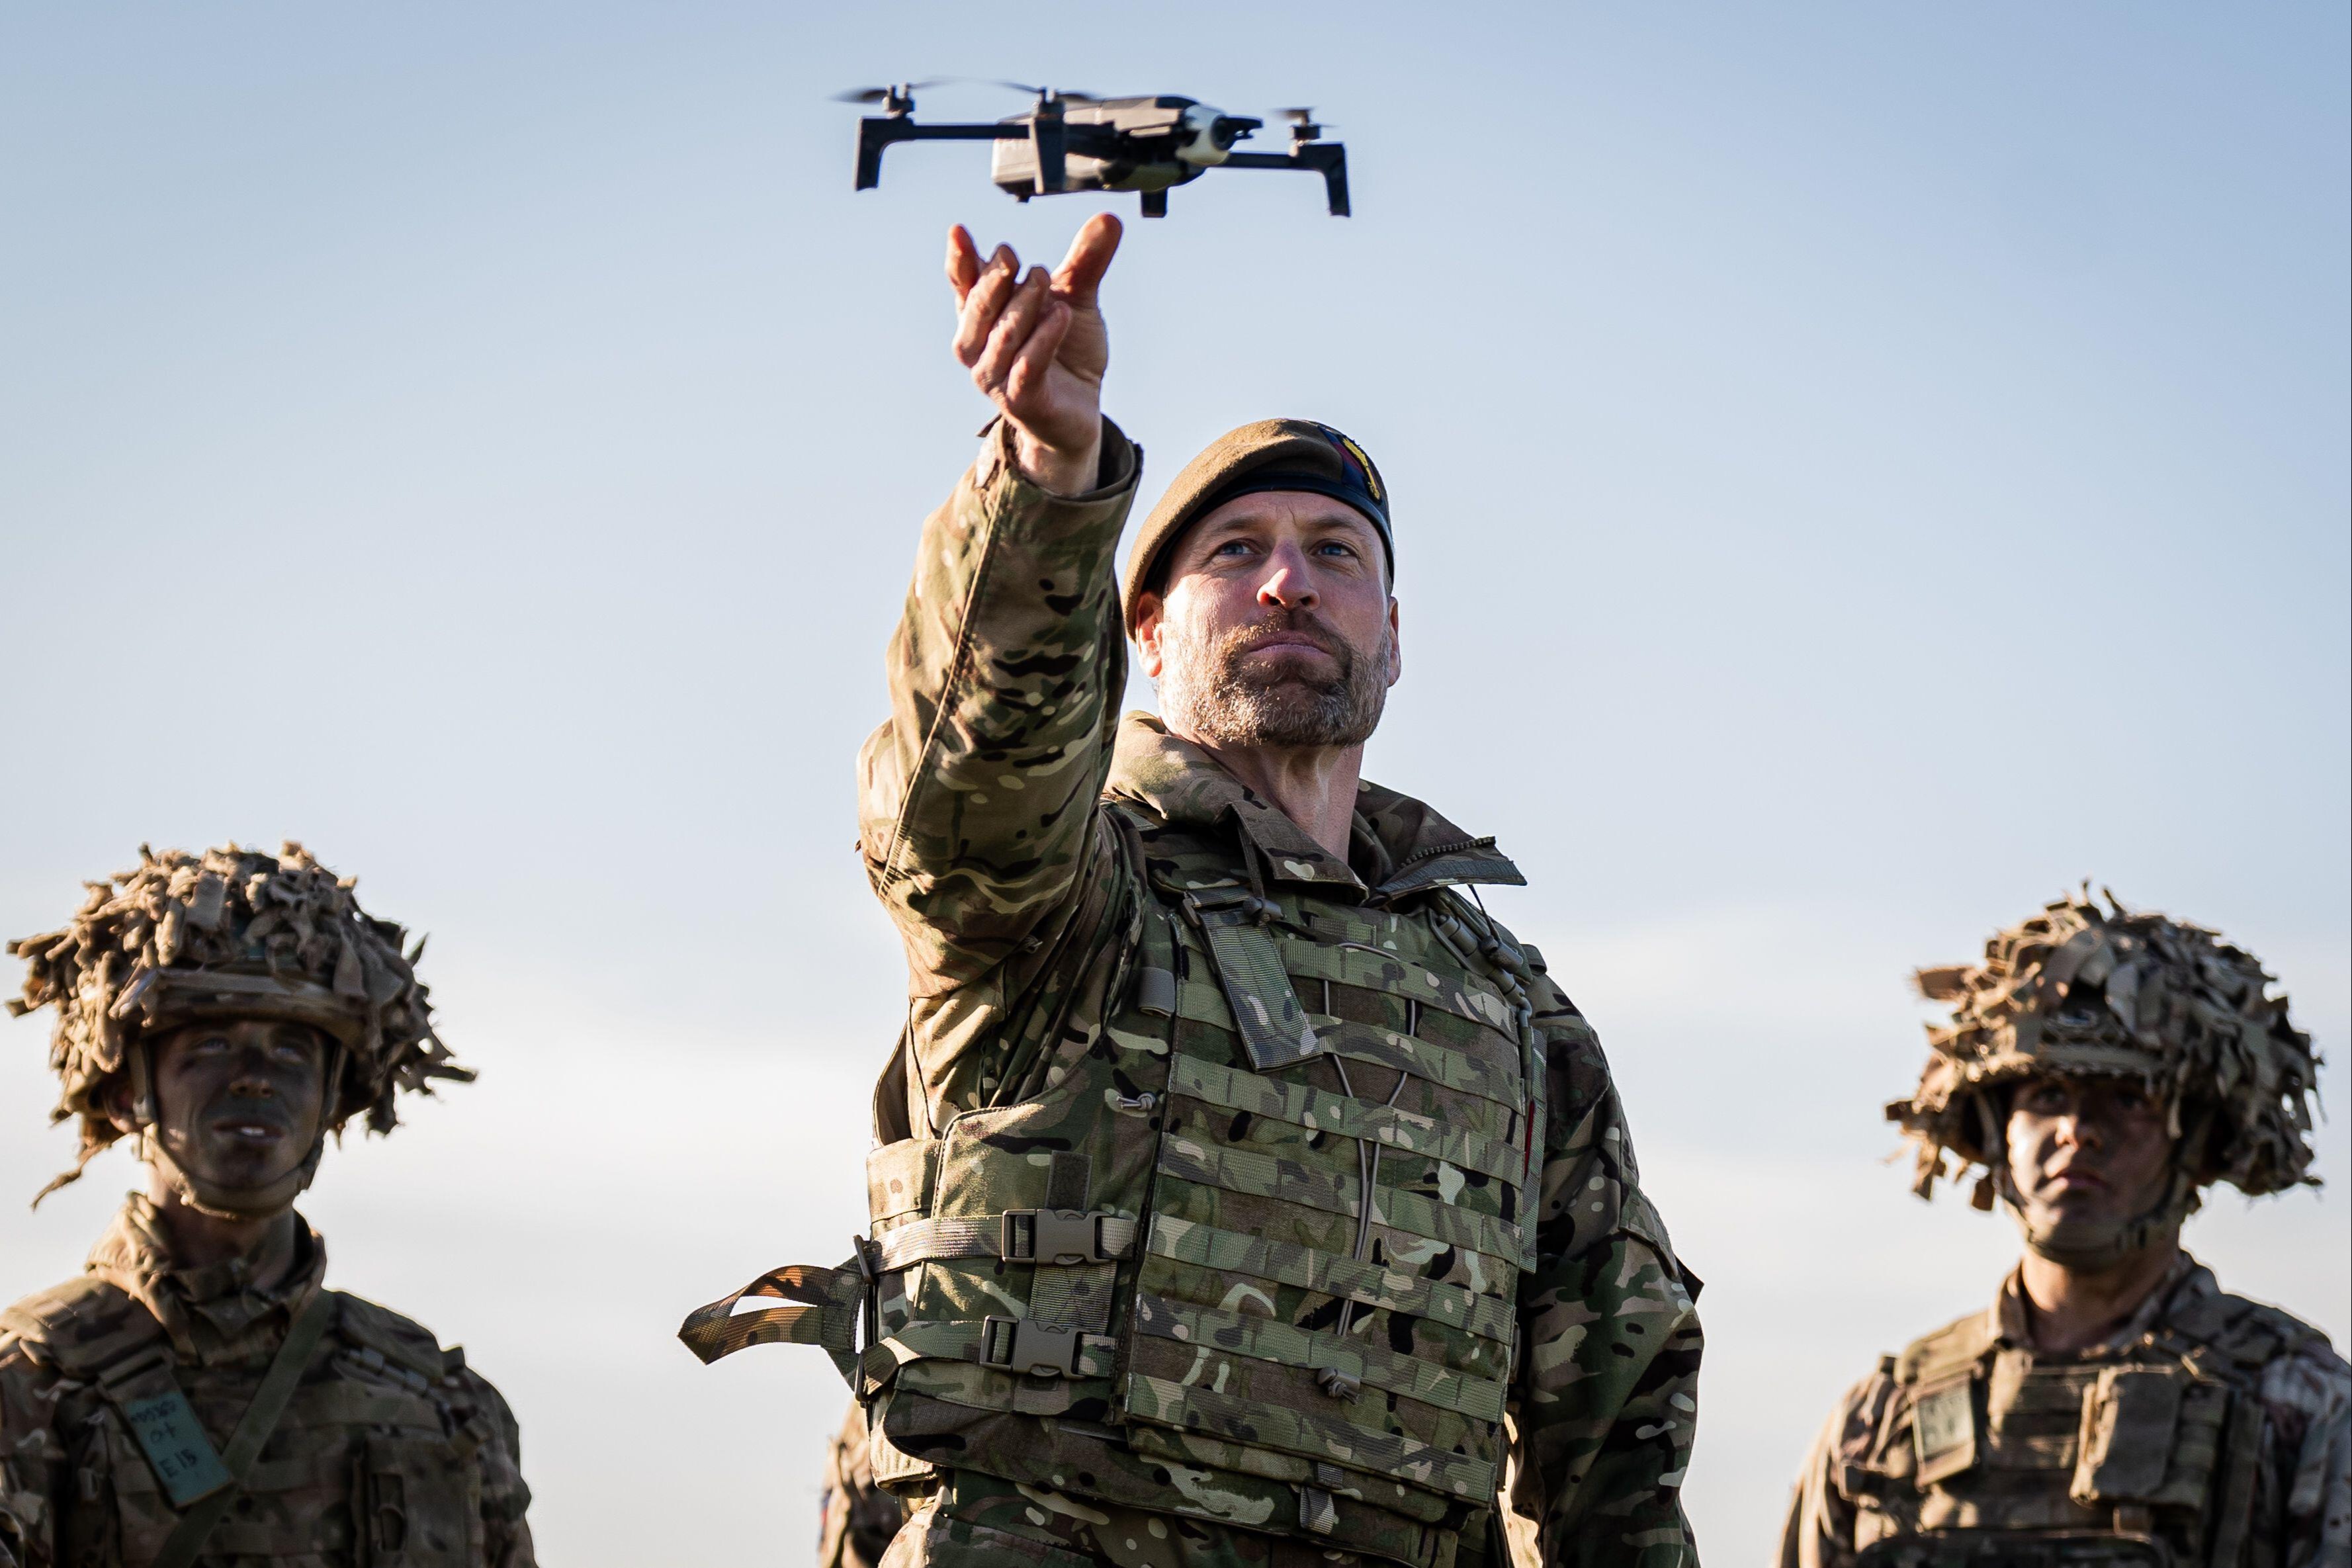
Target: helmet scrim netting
(232, 932)
(2082, 990)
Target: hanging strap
(269, 1401)
(1273, 1028)
(826, 1306)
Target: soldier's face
(2087, 1149)
(1275, 626)
(239, 1103)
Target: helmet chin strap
(2096, 1244)
(207, 1198)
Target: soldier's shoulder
(1941, 1353)
(2253, 1335)
(77, 1327)
(400, 1341)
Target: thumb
(1081, 272)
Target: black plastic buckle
(1200, 901)
(1016, 1344)
(1051, 1236)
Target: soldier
(2116, 1405)
(199, 1395)
(1243, 1194)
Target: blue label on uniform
(176, 1446)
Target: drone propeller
(1302, 116)
(883, 94)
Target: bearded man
(198, 1395)
(2114, 1407)
(1243, 1194)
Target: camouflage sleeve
(32, 1461)
(1605, 1396)
(977, 796)
(505, 1499)
(2309, 1396)
(1821, 1526)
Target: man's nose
(1287, 585)
(252, 1076)
(2082, 1132)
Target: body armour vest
(371, 1465)
(1993, 1458)
(1253, 1257)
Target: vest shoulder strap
(83, 1326)
(401, 1341)
(1955, 1348)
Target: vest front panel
(360, 1473)
(1299, 1313)
(2098, 1461)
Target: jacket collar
(218, 1313)
(1407, 846)
(2187, 1283)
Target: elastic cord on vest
(232, 1203)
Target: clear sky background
(1860, 469)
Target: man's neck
(198, 1240)
(2070, 1309)
(1314, 785)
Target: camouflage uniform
(127, 1396)
(2208, 1429)
(1334, 1207)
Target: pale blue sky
(1858, 468)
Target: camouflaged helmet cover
(2082, 990)
(230, 932)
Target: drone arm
(1328, 159)
(878, 132)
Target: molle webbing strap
(1255, 1175)
(1077, 1296)
(1267, 1015)
(1272, 1339)
(1311, 1435)
(1332, 1274)
(253, 1430)
(1019, 1345)
(1068, 1237)
(1318, 1110)
(1496, 1080)
(827, 1303)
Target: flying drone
(1078, 141)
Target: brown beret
(1270, 454)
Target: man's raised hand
(1037, 346)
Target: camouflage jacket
(985, 833)
(391, 1449)
(2280, 1442)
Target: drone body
(1074, 141)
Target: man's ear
(115, 1100)
(1396, 644)
(1150, 616)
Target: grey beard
(1203, 692)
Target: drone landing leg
(1155, 203)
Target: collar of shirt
(1406, 847)
(219, 1312)
(2186, 1281)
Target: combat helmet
(232, 932)
(2082, 990)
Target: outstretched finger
(963, 262)
(1014, 325)
(1081, 272)
(1036, 356)
(985, 302)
